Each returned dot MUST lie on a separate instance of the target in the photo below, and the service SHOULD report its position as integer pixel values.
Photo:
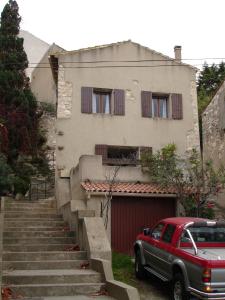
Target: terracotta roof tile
(127, 187)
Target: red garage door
(129, 215)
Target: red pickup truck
(188, 252)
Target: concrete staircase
(39, 257)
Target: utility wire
(129, 61)
(117, 66)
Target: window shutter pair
(146, 105)
(86, 101)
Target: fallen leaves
(6, 293)
(85, 265)
(72, 248)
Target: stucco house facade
(114, 102)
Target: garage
(130, 214)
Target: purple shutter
(101, 150)
(146, 104)
(119, 102)
(86, 100)
(177, 106)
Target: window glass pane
(206, 234)
(168, 233)
(94, 103)
(163, 108)
(157, 231)
(155, 107)
(106, 106)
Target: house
(115, 102)
(35, 49)
(41, 82)
(213, 128)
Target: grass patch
(123, 268)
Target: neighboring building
(213, 129)
(213, 136)
(35, 49)
(42, 83)
(114, 102)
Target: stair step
(39, 256)
(35, 228)
(24, 210)
(37, 234)
(30, 215)
(50, 276)
(75, 297)
(43, 264)
(32, 223)
(37, 241)
(37, 248)
(69, 289)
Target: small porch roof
(127, 188)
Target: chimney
(177, 53)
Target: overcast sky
(196, 25)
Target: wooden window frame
(101, 93)
(159, 97)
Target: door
(129, 215)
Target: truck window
(205, 234)
(168, 233)
(157, 231)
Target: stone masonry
(213, 126)
(64, 96)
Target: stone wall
(47, 124)
(64, 96)
(213, 126)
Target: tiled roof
(127, 187)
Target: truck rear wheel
(178, 288)
(140, 272)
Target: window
(159, 106)
(205, 234)
(157, 231)
(168, 233)
(121, 155)
(101, 102)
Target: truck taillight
(206, 275)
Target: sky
(196, 25)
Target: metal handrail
(40, 188)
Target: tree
(209, 80)
(19, 135)
(194, 184)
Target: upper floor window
(159, 106)
(102, 101)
